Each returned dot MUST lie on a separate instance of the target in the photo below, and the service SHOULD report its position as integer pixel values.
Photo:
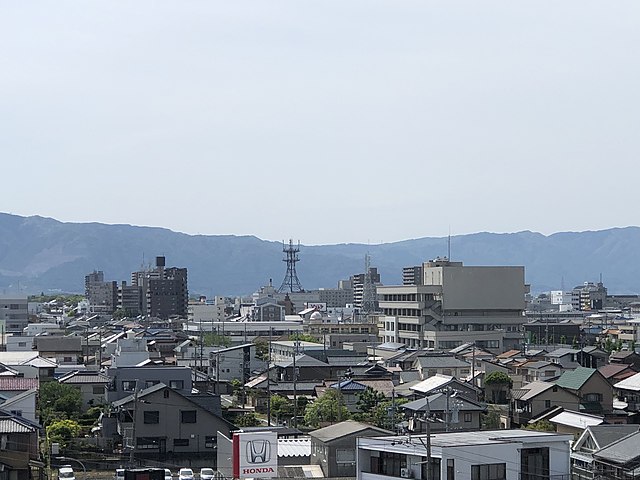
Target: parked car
(119, 475)
(66, 472)
(167, 474)
(206, 474)
(185, 474)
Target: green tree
(541, 426)
(388, 414)
(490, 420)
(214, 340)
(303, 337)
(574, 342)
(248, 420)
(262, 349)
(368, 399)
(58, 401)
(281, 408)
(497, 385)
(328, 408)
(63, 431)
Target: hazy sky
(324, 121)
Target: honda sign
(255, 455)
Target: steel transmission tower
(368, 288)
(291, 284)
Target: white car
(66, 472)
(167, 474)
(206, 474)
(185, 474)
(119, 475)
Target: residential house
(307, 368)
(567, 358)
(431, 365)
(125, 380)
(542, 371)
(536, 397)
(445, 383)
(23, 405)
(495, 454)
(592, 440)
(616, 372)
(592, 357)
(170, 421)
(29, 364)
(594, 391)
(334, 447)
(628, 357)
(628, 390)
(444, 412)
(19, 450)
(619, 460)
(64, 350)
(92, 385)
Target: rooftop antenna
(291, 283)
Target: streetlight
(84, 470)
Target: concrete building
(501, 454)
(237, 362)
(14, 313)
(102, 296)
(456, 304)
(589, 296)
(164, 291)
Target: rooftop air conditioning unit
(406, 473)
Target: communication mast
(291, 284)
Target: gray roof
(78, 377)
(561, 352)
(58, 344)
(303, 361)
(438, 403)
(605, 435)
(437, 361)
(622, 451)
(342, 429)
(409, 376)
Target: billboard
(255, 455)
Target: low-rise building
(501, 454)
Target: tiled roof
(613, 369)
(10, 425)
(78, 377)
(623, 451)
(17, 383)
(441, 362)
(342, 429)
(575, 379)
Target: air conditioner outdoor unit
(406, 473)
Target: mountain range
(40, 254)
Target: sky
(324, 121)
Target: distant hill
(41, 254)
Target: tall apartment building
(14, 314)
(412, 275)
(357, 282)
(159, 292)
(102, 296)
(589, 296)
(456, 304)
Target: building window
(492, 471)
(180, 442)
(547, 404)
(392, 463)
(188, 416)
(593, 397)
(98, 389)
(128, 385)
(151, 383)
(210, 441)
(152, 416)
(345, 455)
(467, 417)
(176, 384)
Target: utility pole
(295, 392)
(269, 381)
(448, 412)
(133, 430)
